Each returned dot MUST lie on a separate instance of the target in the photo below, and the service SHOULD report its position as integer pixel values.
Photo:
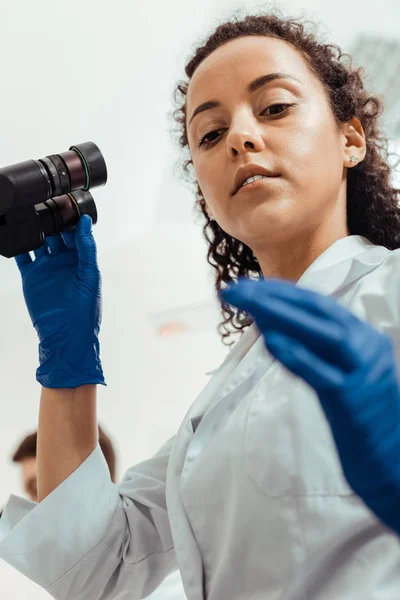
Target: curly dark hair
(372, 203)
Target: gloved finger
(360, 338)
(55, 243)
(42, 251)
(324, 306)
(323, 336)
(23, 261)
(85, 244)
(69, 239)
(296, 357)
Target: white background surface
(105, 71)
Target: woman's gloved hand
(62, 289)
(351, 366)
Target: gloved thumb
(85, 244)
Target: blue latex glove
(351, 366)
(62, 289)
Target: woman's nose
(244, 137)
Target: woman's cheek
(207, 180)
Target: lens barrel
(44, 197)
(81, 168)
(63, 212)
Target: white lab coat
(248, 499)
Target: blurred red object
(172, 328)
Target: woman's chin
(261, 225)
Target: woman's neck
(291, 258)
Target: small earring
(210, 217)
(354, 159)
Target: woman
(249, 499)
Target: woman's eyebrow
(252, 87)
(264, 79)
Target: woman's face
(255, 108)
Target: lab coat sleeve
(91, 539)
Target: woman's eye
(208, 138)
(273, 110)
(276, 109)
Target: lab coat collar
(345, 261)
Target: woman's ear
(354, 148)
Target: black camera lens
(39, 198)
(63, 212)
(81, 168)
(93, 163)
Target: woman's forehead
(242, 60)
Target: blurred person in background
(250, 499)
(25, 456)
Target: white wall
(91, 70)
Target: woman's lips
(263, 183)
